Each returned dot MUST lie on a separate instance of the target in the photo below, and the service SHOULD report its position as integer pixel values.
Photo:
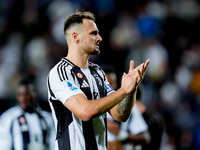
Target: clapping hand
(134, 77)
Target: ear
(75, 37)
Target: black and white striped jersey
(65, 80)
(21, 130)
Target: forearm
(87, 109)
(123, 110)
(105, 104)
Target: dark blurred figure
(117, 138)
(154, 121)
(112, 126)
(26, 126)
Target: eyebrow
(94, 32)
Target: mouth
(97, 46)
(23, 105)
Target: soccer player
(79, 93)
(24, 126)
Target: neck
(78, 58)
(29, 109)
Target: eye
(94, 33)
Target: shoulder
(62, 64)
(47, 116)
(45, 113)
(61, 71)
(10, 115)
(97, 68)
(14, 111)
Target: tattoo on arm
(125, 105)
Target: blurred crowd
(165, 31)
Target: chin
(95, 52)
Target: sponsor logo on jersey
(109, 88)
(79, 75)
(84, 84)
(71, 86)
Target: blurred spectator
(171, 134)
(112, 125)
(154, 121)
(25, 126)
(132, 133)
(10, 66)
(57, 12)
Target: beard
(95, 52)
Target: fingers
(144, 66)
(133, 78)
(140, 76)
(131, 66)
(146, 63)
(142, 70)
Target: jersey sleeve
(61, 89)
(109, 89)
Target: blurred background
(165, 31)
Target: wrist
(123, 92)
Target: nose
(99, 38)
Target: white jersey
(21, 130)
(136, 123)
(64, 81)
(111, 136)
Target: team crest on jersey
(79, 75)
(98, 79)
(22, 120)
(109, 88)
(71, 86)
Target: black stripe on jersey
(59, 74)
(11, 131)
(105, 121)
(64, 117)
(51, 92)
(89, 135)
(104, 76)
(65, 71)
(60, 71)
(73, 75)
(25, 134)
